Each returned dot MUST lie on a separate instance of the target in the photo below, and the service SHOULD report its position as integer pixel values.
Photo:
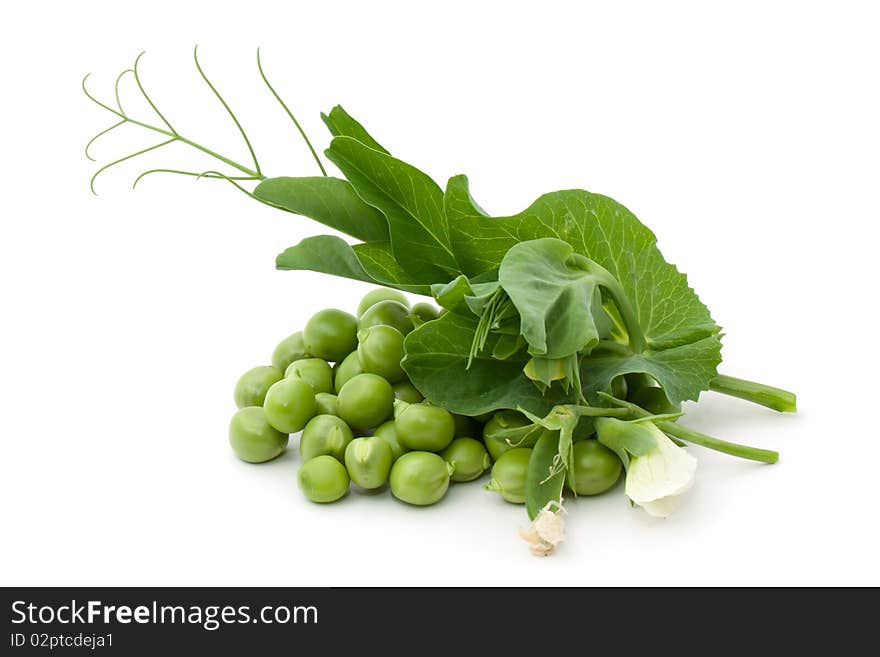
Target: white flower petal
(655, 479)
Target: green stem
(697, 438)
(606, 279)
(757, 393)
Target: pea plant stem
(757, 393)
(695, 437)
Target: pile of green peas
(340, 384)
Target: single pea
(387, 313)
(420, 478)
(466, 427)
(368, 461)
(596, 468)
(509, 475)
(380, 351)
(468, 458)
(253, 385)
(252, 438)
(654, 400)
(373, 297)
(325, 434)
(323, 479)
(331, 334)
(365, 401)
(288, 350)
(314, 371)
(289, 404)
(422, 313)
(500, 422)
(424, 427)
(349, 367)
(406, 391)
(387, 432)
(325, 404)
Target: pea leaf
(371, 262)
(554, 297)
(436, 362)
(683, 348)
(541, 487)
(341, 124)
(330, 201)
(409, 199)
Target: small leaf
(330, 201)
(341, 124)
(370, 263)
(541, 487)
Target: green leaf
(554, 295)
(370, 263)
(411, 201)
(683, 371)
(330, 201)
(541, 487)
(458, 203)
(452, 295)
(605, 231)
(342, 124)
(683, 348)
(436, 362)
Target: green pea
(325, 434)
(331, 334)
(325, 404)
(420, 478)
(509, 475)
(387, 432)
(289, 404)
(380, 351)
(424, 427)
(387, 313)
(253, 385)
(368, 461)
(365, 401)
(252, 438)
(654, 400)
(288, 350)
(466, 427)
(422, 313)
(406, 391)
(349, 367)
(596, 468)
(314, 371)
(373, 297)
(323, 479)
(501, 421)
(468, 458)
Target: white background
(746, 135)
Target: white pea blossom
(547, 530)
(655, 480)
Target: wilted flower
(547, 530)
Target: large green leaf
(603, 230)
(554, 295)
(331, 201)
(684, 370)
(436, 362)
(341, 124)
(683, 349)
(371, 262)
(409, 199)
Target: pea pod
(541, 486)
